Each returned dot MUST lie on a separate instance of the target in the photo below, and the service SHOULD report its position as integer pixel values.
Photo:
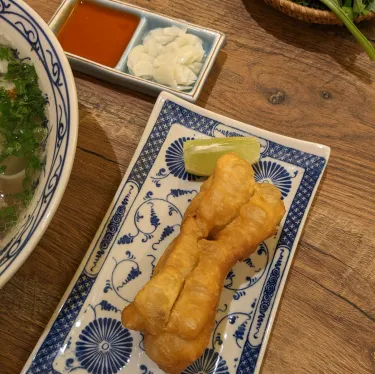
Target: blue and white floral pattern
(104, 346)
(209, 363)
(273, 172)
(174, 158)
(247, 273)
(149, 223)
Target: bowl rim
(70, 154)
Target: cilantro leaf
(22, 128)
(6, 53)
(350, 10)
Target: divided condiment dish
(120, 74)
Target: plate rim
(162, 98)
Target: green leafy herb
(346, 20)
(22, 128)
(8, 213)
(359, 8)
(6, 54)
(346, 12)
(348, 9)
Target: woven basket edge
(311, 15)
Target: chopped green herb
(6, 54)
(7, 213)
(22, 118)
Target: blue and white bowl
(33, 39)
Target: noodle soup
(23, 130)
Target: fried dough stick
(217, 203)
(150, 310)
(190, 325)
(222, 195)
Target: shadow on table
(34, 291)
(94, 180)
(116, 87)
(324, 39)
(212, 78)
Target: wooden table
(306, 81)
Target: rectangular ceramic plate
(85, 333)
(212, 42)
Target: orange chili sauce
(97, 33)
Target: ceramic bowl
(34, 41)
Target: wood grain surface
(306, 81)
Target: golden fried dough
(155, 301)
(258, 220)
(197, 302)
(153, 304)
(222, 195)
(172, 353)
(176, 309)
(196, 305)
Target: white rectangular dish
(85, 334)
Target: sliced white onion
(134, 55)
(7, 85)
(195, 67)
(3, 67)
(192, 39)
(152, 47)
(181, 41)
(174, 31)
(169, 56)
(188, 54)
(171, 48)
(143, 69)
(161, 37)
(200, 51)
(165, 75)
(165, 59)
(183, 75)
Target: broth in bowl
(39, 140)
(23, 130)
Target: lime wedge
(200, 155)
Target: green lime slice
(200, 155)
